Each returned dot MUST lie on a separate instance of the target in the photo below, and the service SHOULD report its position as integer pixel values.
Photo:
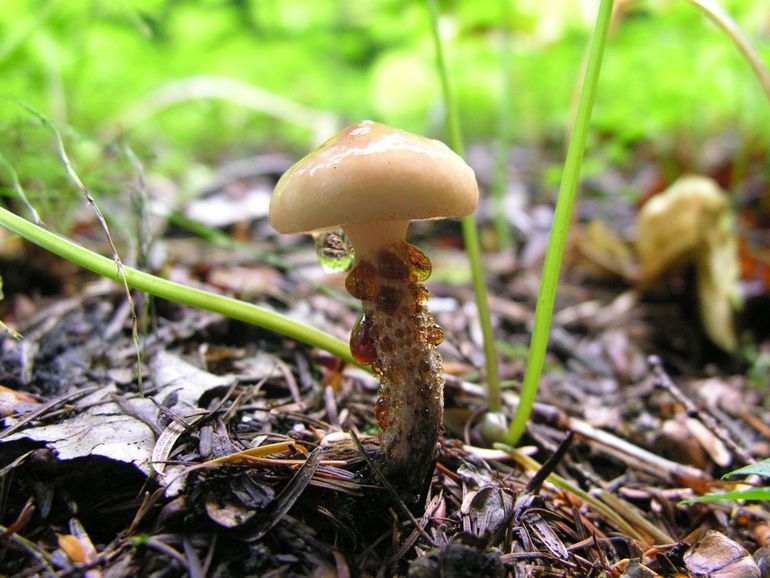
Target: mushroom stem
(397, 336)
(369, 238)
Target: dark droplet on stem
(361, 282)
(362, 341)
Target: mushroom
(371, 181)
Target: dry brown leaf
(715, 555)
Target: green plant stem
(469, 229)
(16, 186)
(555, 252)
(165, 289)
(724, 21)
(222, 239)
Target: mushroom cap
(370, 172)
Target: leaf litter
(236, 460)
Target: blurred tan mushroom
(692, 221)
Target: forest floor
(106, 474)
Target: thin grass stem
(555, 252)
(176, 292)
(724, 21)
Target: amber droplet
(361, 282)
(362, 341)
(393, 266)
(381, 408)
(435, 335)
(419, 264)
(376, 367)
(388, 300)
(421, 294)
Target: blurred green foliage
(95, 68)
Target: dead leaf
(12, 401)
(635, 569)
(718, 268)
(98, 428)
(228, 513)
(78, 547)
(101, 427)
(717, 556)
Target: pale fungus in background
(372, 181)
(692, 221)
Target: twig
(634, 516)
(634, 455)
(158, 545)
(288, 496)
(609, 443)
(410, 541)
(534, 484)
(32, 549)
(193, 560)
(664, 381)
(126, 408)
(563, 484)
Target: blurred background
(159, 74)
(188, 84)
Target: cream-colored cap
(370, 172)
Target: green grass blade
(176, 292)
(758, 469)
(760, 494)
(722, 19)
(19, 190)
(555, 252)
